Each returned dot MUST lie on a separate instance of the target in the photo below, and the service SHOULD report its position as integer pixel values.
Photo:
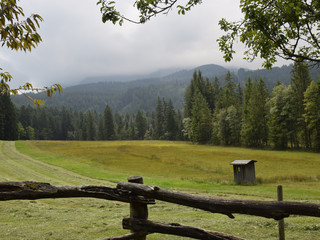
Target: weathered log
(127, 236)
(269, 209)
(138, 210)
(37, 190)
(174, 229)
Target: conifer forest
(225, 114)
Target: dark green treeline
(54, 124)
(289, 117)
(214, 113)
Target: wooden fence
(139, 196)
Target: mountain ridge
(129, 96)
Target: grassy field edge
(294, 190)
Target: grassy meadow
(204, 170)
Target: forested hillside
(128, 97)
(215, 111)
(288, 117)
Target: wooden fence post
(138, 210)
(280, 222)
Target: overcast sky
(76, 44)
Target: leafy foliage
(20, 33)
(146, 8)
(285, 28)
(278, 28)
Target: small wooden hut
(244, 171)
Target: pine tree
(246, 130)
(197, 84)
(100, 134)
(8, 117)
(201, 127)
(228, 95)
(312, 112)
(159, 119)
(227, 114)
(109, 128)
(209, 94)
(120, 129)
(221, 130)
(234, 121)
(66, 124)
(24, 115)
(254, 132)
(91, 129)
(82, 129)
(300, 80)
(141, 125)
(281, 116)
(170, 123)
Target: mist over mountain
(127, 78)
(124, 94)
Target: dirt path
(15, 166)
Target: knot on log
(137, 188)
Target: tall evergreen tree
(227, 115)
(209, 94)
(197, 85)
(312, 112)
(91, 129)
(281, 116)
(201, 126)
(24, 115)
(300, 80)
(234, 122)
(65, 124)
(246, 130)
(254, 132)
(109, 127)
(100, 133)
(141, 125)
(170, 121)
(159, 119)
(221, 130)
(228, 95)
(8, 117)
(120, 129)
(82, 128)
(43, 128)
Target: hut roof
(242, 162)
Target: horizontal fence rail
(140, 195)
(269, 209)
(37, 190)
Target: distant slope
(143, 93)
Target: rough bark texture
(138, 210)
(269, 209)
(174, 229)
(38, 190)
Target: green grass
(202, 170)
(183, 165)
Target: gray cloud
(76, 44)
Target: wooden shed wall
(244, 173)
